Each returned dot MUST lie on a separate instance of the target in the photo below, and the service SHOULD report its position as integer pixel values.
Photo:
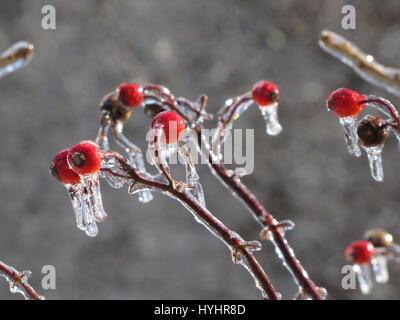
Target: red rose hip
(360, 252)
(85, 157)
(345, 102)
(130, 94)
(265, 93)
(61, 170)
(171, 123)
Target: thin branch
(19, 281)
(238, 247)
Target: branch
(19, 282)
(235, 243)
(362, 63)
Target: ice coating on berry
(85, 157)
(265, 93)
(360, 252)
(61, 170)
(171, 124)
(130, 94)
(345, 102)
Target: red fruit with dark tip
(85, 157)
(61, 170)
(345, 102)
(265, 93)
(130, 94)
(171, 123)
(360, 252)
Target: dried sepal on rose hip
(372, 131)
(265, 93)
(345, 102)
(360, 252)
(61, 170)
(111, 105)
(171, 124)
(130, 94)
(85, 157)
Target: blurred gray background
(215, 47)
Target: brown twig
(18, 279)
(230, 238)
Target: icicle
(379, 269)
(15, 57)
(374, 155)
(350, 132)
(82, 209)
(363, 273)
(270, 115)
(92, 187)
(135, 157)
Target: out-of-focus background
(215, 47)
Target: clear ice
(15, 57)
(374, 155)
(350, 131)
(380, 269)
(363, 272)
(270, 115)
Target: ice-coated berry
(360, 252)
(130, 94)
(85, 157)
(345, 102)
(61, 170)
(171, 123)
(265, 93)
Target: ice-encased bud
(372, 131)
(270, 115)
(15, 57)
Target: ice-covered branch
(15, 57)
(19, 282)
(363, 64)
(241, 250)
(266, 95)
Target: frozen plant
(369, 258)
(13, 59)
(79, 169)
(370, 132)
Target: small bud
(379, 238)
(372, 131)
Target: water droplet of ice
(270, 115)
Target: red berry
(85, 157)
(265, 93)
(171, 123)
(130, 94)
(61, 170)
(345, 102)
(360, 252)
